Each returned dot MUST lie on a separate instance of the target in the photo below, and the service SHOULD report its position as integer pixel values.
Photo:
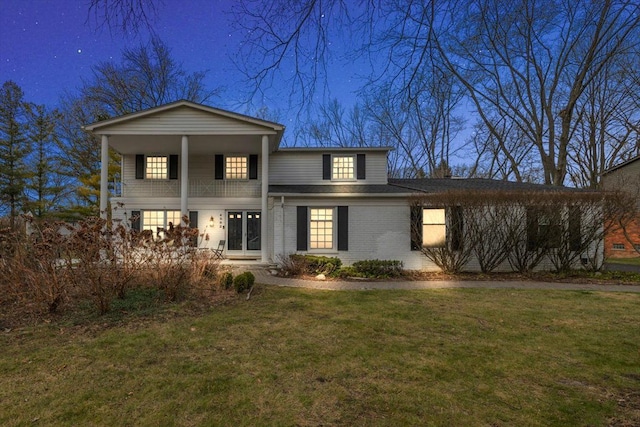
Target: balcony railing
(197, 188)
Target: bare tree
(125, 16)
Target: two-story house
(625, 177)
(227, 173)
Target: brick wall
(616, 244)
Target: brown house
(621, 243)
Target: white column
(264, 234)
(184, 177)
(104, 176)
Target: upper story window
(156, 167)
(236, 167)
(343, 167)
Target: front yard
(309, 358)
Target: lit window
(321, 229)
(156, 167)
(236, 167)
(618, 246)
(343, 167)
(159, 221)
(433, 228)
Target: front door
(243, 233)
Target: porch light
(211, 221)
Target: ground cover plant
(308, 358)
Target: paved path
(263, 276)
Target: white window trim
(226, 169)
(442, 224)
(355, 166)
(334, 231)
(146, 167)
(166, 221)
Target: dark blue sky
(47, 47)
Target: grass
(625, 261)
(308, 358)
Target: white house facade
(227, 173)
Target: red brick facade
(616, 244)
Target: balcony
(197, 188)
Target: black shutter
(343, 228)
(361, 166)
(139, 166)
(532, 229)
(173, 166)
(575, 238)
(302, 225)
(326, 166)
(457, 224)
(416, 227)
(135, 220)
(219, 166)
(253, 166)
(193, 223)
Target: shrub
(243, 281)
(226, 280)
(313, 264)
(379, 269)
(292, 265)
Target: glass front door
(243, 232)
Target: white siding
(186, 120)
(378, 229)
(305, 168)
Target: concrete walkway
(263, 276)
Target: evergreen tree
(45, 187)
(14, 149)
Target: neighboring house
(227, 173)
(625, 177)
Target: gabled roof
(184, 103)
(621, 165)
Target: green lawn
(626, 261)
(455, 357)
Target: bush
(313, 264)
(378, 269)
(243, 281)
(226, 280)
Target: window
(156, 167)
(544, 228)
(343, 168)
(321, 228)
(236, 167)
(437, 227)
(159, 221)
(433, 228)
(618, 246)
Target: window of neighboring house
(236, 167)
(434, 228)
(160, 221)
(618, 246)
(343, 168)
(321, 228)
(157, 167)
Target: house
(625, 243)
(228, 174)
